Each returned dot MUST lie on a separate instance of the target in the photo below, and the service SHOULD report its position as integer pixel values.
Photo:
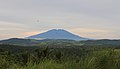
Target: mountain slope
(57, 34)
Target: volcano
(57, 34)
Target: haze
(86, 18)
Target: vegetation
(59, 56)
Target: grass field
(63, 59)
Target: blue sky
(87, 18)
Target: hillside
(59, 42)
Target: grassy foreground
(105, 59)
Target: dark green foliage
(64, 57)
(58, 55)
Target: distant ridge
(57, 34)
(33, 42)
(30, 42)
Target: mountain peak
(57, 34)
(55, 29)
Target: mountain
(57, 34)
